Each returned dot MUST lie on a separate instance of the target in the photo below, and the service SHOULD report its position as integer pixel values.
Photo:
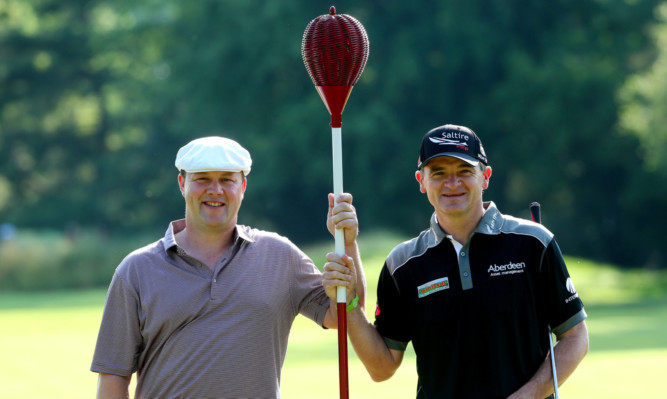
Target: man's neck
(207, 246)
(460, 227)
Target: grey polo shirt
(192, 332)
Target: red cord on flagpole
(343, 380)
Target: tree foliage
(568, 97)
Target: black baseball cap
(452, 141)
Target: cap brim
(201, 170)
(465, 158)
(210, 169)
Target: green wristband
(353, 303)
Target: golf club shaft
(537, 218)
(553, 364)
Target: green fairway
(47, 340)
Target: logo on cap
(443, 141)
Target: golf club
(537, 218)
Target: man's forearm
(110, 386)
(380, 361)
(569, 351)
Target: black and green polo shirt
(477, 315)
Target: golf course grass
(47, 340)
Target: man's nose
(216, 187)
(451, 180)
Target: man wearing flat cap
(475, 293)
(205, 312)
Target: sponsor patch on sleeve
(433, 287)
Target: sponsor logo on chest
(506, 269)
(433, 287)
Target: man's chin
(453, 202)
(217, 222)
(450, 208)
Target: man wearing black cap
(475, 293)
(205, 312)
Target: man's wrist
(351, 243)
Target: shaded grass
(600, 283)
(50, 300)
(47, 339)
(636, 326)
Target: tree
(98, 96)
(643, 101)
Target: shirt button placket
(214, 280)
(214, 283)
(464, 266)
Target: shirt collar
(437, 234)
(244, 232)
(240, 232)
(491, 222)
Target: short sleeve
(119, 340)
(390, 313)
(308, 292)
(565, 308)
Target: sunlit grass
(46, 352)
(618, 374)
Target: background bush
(51, 260)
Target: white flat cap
(213, 153)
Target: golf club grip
(535, 213)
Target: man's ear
(420, 179)
(181, 184)
(487, 176)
